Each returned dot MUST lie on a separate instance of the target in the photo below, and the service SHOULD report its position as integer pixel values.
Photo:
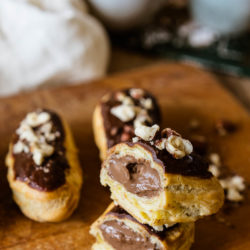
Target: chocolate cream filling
(135, 175)
(120, 236)
(28, 171)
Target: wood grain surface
(184, 93)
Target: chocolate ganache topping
(173, 152)
(39, 152)
(122, 109)
(136, 175)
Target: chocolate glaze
(190, 165)
(114, 127)
(135, 175)
(27, 171)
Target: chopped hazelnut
(233, 186)
(135, 139)
(178, 147)
(136, 93)
(119, 96)
(146, 103)
(123, 112)
(215, 159)
(35, 140)
(35, 119)
(146, 133)
(167, 132)
(214, 170)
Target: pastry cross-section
(161, 181)
(118, 230)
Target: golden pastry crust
(49, 206)
(180, 236)
(180, 199)
(99, 132)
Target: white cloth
(49, 42)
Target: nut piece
(36, 140)
(136, 93)
(233, 186)
(20, 147)
(35, 119)
(215, 159)
(178, 147)
(135, 139)
(214, 170)
(40, 152)
(146, 103)
(174, 144)
(119, 96)
(123, 112)
(146, 133)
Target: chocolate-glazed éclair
(50, 174)
(114, 127)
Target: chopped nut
(214, 170)
(174, 143)
(123, 112)
(178, 147)
(167, 132)
(35, 139)
(215, 159)
(234, 195)
(136, 93)
(26, 133)
(35, 119)
(233, 186)
(146, 133)
(20, 147)
(161, 144)
(127, 101)
(135, 139)
(146, 103)
(119, 96)
(158, 228)
(40, 152)
(46, 170)
(141, 118)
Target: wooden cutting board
(184, 92)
